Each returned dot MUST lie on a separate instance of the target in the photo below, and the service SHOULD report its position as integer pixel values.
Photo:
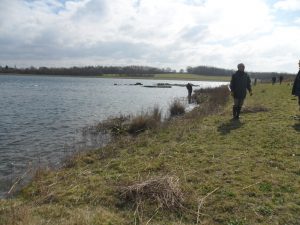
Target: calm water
(41, 118)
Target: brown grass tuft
(145, 121)
(165, 191)
(115, 125)
(176, 108)
(210, 100)
(217, 96)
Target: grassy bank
(201, 168)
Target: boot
(238, 111)
(234, 111)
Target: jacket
(239, 84)
(296, 86)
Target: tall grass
(176, 108)
(145, 121)
(216, 96)
(210, 100)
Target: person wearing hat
(239, 84)
(296, 86)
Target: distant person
(273, 80)
(255, 81)
(296, 86)
(239, 84)
(280, 79)
(189, 87)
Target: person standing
(189, 87)
(239, 84)
(296, 86)
(273, 80)
(280, 79)
(255, 81)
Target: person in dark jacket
(273, 80)
(296, 86)
(280, 79)
(189, 87)
(239, 84)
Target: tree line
(131, 71)
(214, 71)
(88, 70)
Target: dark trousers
(190, 96)
(237, 106)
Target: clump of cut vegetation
(164, 191)
(176, 108)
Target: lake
(42, 117)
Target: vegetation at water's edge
(200, 168)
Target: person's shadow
(226, 128)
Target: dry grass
(164, 191)
(176, 108)
(217, 96)
(210, 100)
(145, 121)
(130, 124)
(114, 125)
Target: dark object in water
(158, 86)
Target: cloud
(297, 21)
(175, 33)
(289, 5)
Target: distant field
(172, 76)
(185, 76)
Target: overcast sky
(264, 34)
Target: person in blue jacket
(296, 86)
(239, 84)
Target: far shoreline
(185, 77)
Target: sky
(263, 34)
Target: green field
(229, 172)
(173, 76)
(185, 76)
